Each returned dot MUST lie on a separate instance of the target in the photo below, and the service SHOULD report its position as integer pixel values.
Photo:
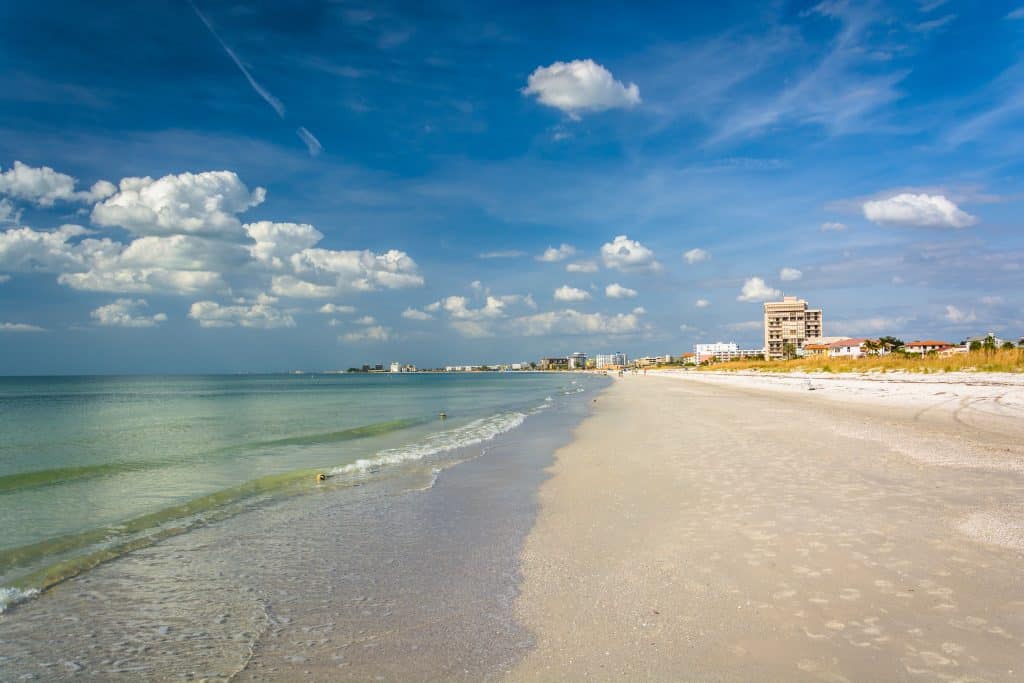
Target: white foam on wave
(470, 434)
(12, 596)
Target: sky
(215, 186)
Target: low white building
(847, 348)
(396, 367)
(722, 351)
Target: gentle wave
(361, 432)
(61, 475)
(470, 434)
(12, 596)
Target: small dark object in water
(320, 476)
(443, 415)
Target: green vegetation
(976, 360)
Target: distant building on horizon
(554, 363)
(722, 351)
(789, 321)
(606, 360)
(578, 361)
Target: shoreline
(703, 529)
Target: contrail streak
(260, 90)
(312, 144)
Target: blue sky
(226, 186)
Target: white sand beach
(726, 527)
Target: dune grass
(1000, 360)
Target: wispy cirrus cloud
(840, 92)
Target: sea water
(95, 468)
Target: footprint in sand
(849, 594)
(934, 659)
(807, 665)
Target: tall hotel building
(788, 322)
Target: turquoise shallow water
(93, 467)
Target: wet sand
(701, 528)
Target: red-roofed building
(926, 346)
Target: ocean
(102, 475)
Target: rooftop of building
(928, 342)
(846, 342)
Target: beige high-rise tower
(788, 322)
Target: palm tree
(891, 343)
(788, 350)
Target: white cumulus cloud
(334, 309)
(617, 291)
(957, 316)
(567, 293)
(755, 289)
(27, 250)
(555, 254)
(125, 313)
(187, 239)
(790, 274)
(581, 267)
(377, 333)
(44, 186)
(276, 242)
(623, 253)
(580, 85)
(833, 226)
(326, 270)
(696, 256)
(702, 303)
(260, 314)
(416, 314)
(917, 210)
(195, 203)
(8, 214)
(571, 322)
(458, 308)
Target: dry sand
(702, 528)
